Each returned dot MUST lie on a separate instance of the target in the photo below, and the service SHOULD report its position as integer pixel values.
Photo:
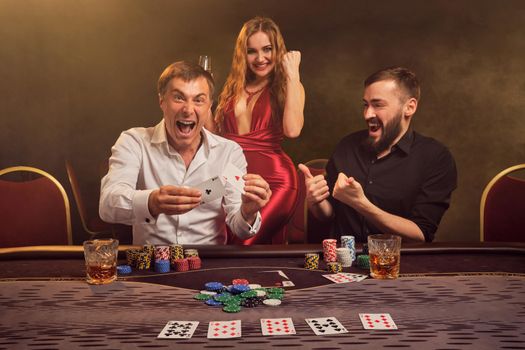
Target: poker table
(448, 296)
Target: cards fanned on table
(326, 325)
(277, 326)
(178, 330)
(377, 321)
(224, 329)
(345, 277)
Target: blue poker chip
(213, 286)
(123, 269)
(162, 266)
(212, 302)
(239, 288)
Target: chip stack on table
(334, 267)
(329, 250)
(344, 256)
(181, 265)
(363, 260)
(349, 242)
(132, 256)
(190, 252)
(144, 260)
(176, 252)
(194, 262)
(311, 261)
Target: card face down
(211, 189)
(178, 330)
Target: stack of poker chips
(132, 256)
(334, 267)
(162, 258)
(194, 262)
(349, 242)
(344, 257)
(190, 252)
(143, 260)
(311, 261)
(181, 265)
(363, 260)
(176, 252)
(329, 250)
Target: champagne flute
(205, 62)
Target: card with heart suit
(211, 189)
(377, 321)
(178, 330)
(277, 326)
(344, 277)
(233, 176)
(326, 325)
(224, 329)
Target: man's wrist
(249, 218)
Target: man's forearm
(390, 223)
(322, 211)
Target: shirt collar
(405, 142)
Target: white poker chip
(254, 286)
(208, 292)
(260, 293)
(272, 302)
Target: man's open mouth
(374, 124)
(185, 127)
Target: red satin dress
(265, 157)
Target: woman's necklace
(252, 94)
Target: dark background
(74, 74)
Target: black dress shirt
(414, 181)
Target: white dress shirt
(142, 160)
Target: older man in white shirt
(153, 171)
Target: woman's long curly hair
(240, 74)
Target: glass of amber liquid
(101, 260)
(384, 251)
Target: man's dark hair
(403, 77)
(187, 72)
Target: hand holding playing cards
(256, 195)
(349, 191)
(173, 200)
(316, 186)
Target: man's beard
(389, 133)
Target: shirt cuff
(140, 207)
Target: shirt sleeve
(233, 201)
(434, 197)
(120, 201)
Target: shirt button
(370, 182)
(373, 161)
(147, 220)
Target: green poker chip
(231, 308)
(201, 296)
(233, 301)
(363, 261)
(249, 294)
(275, 296)
(275, 290)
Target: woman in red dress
(261, 103)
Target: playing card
(233, 176)
(211, 189)
(345, 277)
(377, 321)
(288, 284)
(326, 325)
(224, 329)
(277, 326)
(178, 330)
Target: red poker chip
(240, 281)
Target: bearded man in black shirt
(388, 178)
